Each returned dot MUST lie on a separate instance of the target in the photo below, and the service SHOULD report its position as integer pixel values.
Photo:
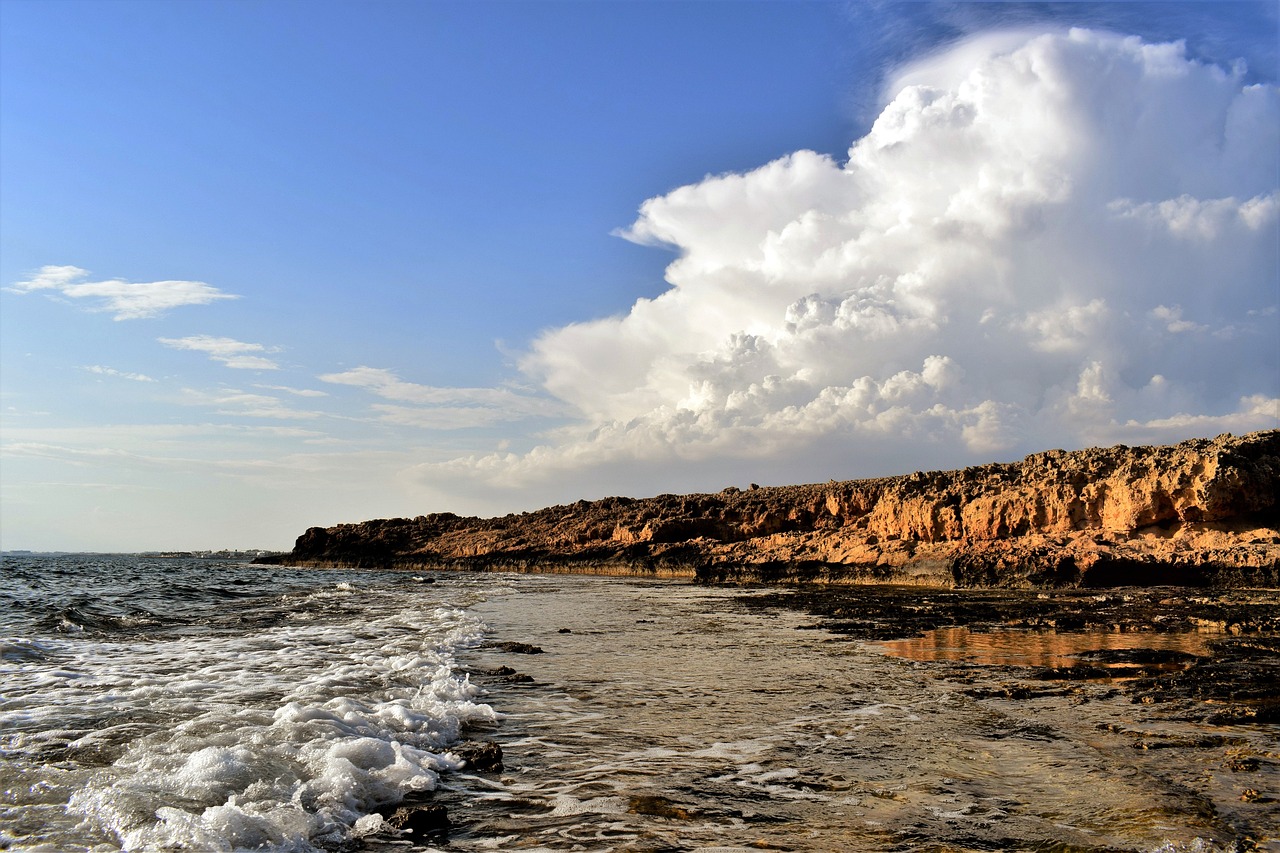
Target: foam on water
(669, 717)
(287, 736)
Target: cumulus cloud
(125, 300)
(443, 408)
(1044, 240)
(119, 374)
(228, 351)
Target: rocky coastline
(1202, 512)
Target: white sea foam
(287, 737)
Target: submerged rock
(419, 823)
(517, 648)
(480, 757)
(1203, 512)
(657, 806)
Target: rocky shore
(1202, 512)
(1232, 677)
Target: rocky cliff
(1200, 512)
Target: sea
(205, 705)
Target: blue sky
(268, 265)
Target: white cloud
(1064, 328)
(445, 417)
(111, 371)
(1201, 219)
(126, 300)
(1171, 317)
(232, 353)
(1253, 410)
(443, 408)
(243, 404)
(1009, 260)
(297, 392)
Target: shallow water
(1042, 648)
(184, 705)
(671, 718)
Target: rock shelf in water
(1202, 512)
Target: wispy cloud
(243, 404)
(124, 299)
(232, 353)
(1257, 411)
(446, 417)
(444, 408)
(78, 448)
(149, 437)
(120, 374)
(297, 392)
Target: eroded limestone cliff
(1200, 512)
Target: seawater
(187, 704)
(192, 705)
(669, 717)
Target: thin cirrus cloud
(1044, 240)
(245, 404)
(102, 370)
(235, 354)
(433, 407)
(125, 300)
(297, 392)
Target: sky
(267, 265)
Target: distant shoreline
(1199, 513)
(246, 554)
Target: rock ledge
(1203, 512)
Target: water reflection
(1046, 649)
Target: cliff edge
(1203, 512)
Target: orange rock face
(1200, 512)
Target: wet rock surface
(480, 756)
(419, 822)
(1235, 678)
(1202, 512)
(517, 648)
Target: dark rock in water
(1137, 656)
(565, 631)
(516, 678)
(1240, 680)
(507, 675)
(517, 648)
(1201, 513)
(1010, 691)
(1080, 673)
(419, 823)
(1230, 677)
(1242, 764)
(480, 757)
(647, 804)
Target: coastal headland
(1202, 512)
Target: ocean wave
(229, 734)
(19, 650)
